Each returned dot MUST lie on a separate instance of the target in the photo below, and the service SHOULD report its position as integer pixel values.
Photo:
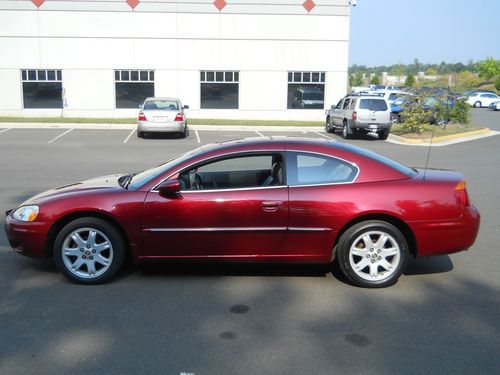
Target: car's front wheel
(89, 251)
(477, 105)
(372, 254)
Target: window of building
(219, 90)
(132, 87)
(306, 90)
(42, 88)
(248, 171)
(310, 169)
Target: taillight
(179, 117)
(142, 116)
(461, 193)
(355, 115)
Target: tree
(375, 80)
(488, 68)
(356, 79)
(410, 80)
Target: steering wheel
(198, 182)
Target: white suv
(360, 113)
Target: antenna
(429, 151)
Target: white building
(280, 59)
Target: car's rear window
(161, 105)
(381, 159)
(373, 104)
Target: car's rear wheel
(89, 251)
(372, 254)
(477, 105)
(140, 134)
(383, 134)
(183, 134)
(346, 132)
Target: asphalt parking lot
(441, 317)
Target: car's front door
(337, 113)
(235, 207)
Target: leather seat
(276, 177)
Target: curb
(443, 138)
(89, 126)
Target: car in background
(308, 98)
(162, 115)
(495, 106)
(268, 200)
(360, 113)
(474, 92)
(482, 99)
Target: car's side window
(312, 169)
(339, 104)
(247, 171)
(346, 103)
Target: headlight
(26, 213)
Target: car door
(320, 197)
(337, 113)
(231, 207)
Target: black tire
(115, 254)
(383, 134)
(373, 255)
(183, 134)
(346, 132)
(140, 134)
(477, 104)
(328, 126)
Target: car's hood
(98, 183)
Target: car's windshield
(163, 105)
(141, 178)
(399, 101)
(313, 96)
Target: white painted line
(128, 136)
(197, 136)
(60, 135)
(5, 130)
(323, 135)
(259, 133)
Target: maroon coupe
(260, 200)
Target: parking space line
(262, 135)
(128, 136)
(197, 136)
(60, 135)
(323, 135)
(5, 130)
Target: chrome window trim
(155, 190)
(214, 229)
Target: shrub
(497, 83)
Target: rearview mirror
(169, 187)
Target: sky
(386, 32)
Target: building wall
(88, 40)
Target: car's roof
(163, 98)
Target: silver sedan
(165, 115)
(495, 106)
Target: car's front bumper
(163, 127)
(27, 238)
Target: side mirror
(185, 107)
(140, 106)
(169, 187)
(332, 107)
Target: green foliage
(375, 80)
(356, 79)
(497, 84)
(415, 117)
(488, 68)
(410, 80)
(417, 66)
(467, 80)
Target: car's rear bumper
(175, 127)
(446, 237)
(27, 238)
(370, 126)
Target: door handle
(271, 206)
